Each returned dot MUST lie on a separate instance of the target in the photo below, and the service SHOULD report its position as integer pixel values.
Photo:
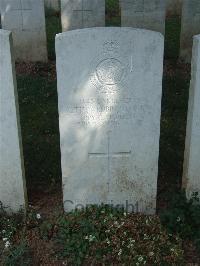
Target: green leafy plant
(17, 255)
(183, 217)
(8, 227)
(46, 229)
(11, 252)
(101, 235)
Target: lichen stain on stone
(124, 183)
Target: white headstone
(52, 4)
(190, 26)
(12, 182)
(26, 19)
(144, 14)
(109, 87)
(191, 173)
(77, 14)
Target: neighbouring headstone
(144, 14)
(12, 182)
(53, 4)
(190, 26)
(78, 14)
(109, 88)
(191, 172)
(26, 19)
(174, 7)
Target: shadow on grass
(39, 120)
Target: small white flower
(7, 244)
(3, 231)
(120, 252)
(107, 231)
(91, 238)
(38, 216)
(140, 259)
(178, 219)
(103, 211)
(5, 239)
(86, 237)
(125, 213)
(107, 241)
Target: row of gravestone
(26, 19)
(109, 99)
(173, 7)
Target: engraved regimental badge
(109, 68)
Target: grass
(173, 125)
(113, 16)
(39, 120)
(172, 38)
(53, 26)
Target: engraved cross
(83, 11)
(109, 155)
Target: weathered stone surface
(190, 26)
(26, 19)
(144, 14)
(77, 14)
(109, 88)
(191, 173)
(174, 7)
(12, 183)
(52, 4)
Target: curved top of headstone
(110, 30)
(197, 37)
(5, 32)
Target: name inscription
(97, 111)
